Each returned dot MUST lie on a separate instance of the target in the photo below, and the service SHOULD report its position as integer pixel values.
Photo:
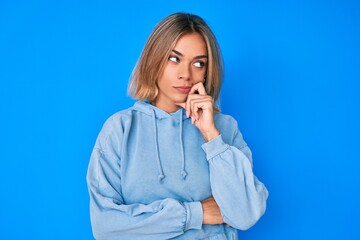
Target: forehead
(191, 43)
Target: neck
(169, 108)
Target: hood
(147, 108)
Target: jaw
(167, 102)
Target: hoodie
(150, 170)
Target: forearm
(163, 219)
(240, 196)
(112, 218)
(210, 134)
(211, 212)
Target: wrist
(194, 215)
(210, 135)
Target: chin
(180, 99)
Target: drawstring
(161, 175)
(183, 172)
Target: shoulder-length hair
(162, 40)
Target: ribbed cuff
(194, 215)
(214, 147)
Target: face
(185, 67)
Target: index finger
(198, 87)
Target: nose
(184, 72)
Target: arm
(211, 212)
(111, 218)
(237, 191)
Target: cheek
(168, 74)
(198, 80)
(199, 76)
(165, 79)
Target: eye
(199, 64)
(174, 59)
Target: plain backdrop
(292, 73)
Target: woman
(172, 166)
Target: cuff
(194, 215)
(214, 147)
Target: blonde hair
(162, 40)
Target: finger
(198, 105)
(187, 105)
(195, 99)
(191, 106)
(197, 109)
(183, 105)
(199, 87)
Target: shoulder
(124, 119)
(226, 124)
(112, 131)
(120, 117)
(225, 120)
(228, 127)
(116, 123)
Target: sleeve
(112, 219)
(240, 195)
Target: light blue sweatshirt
(150, 170)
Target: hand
(211, 212)
(200, 108)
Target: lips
(184, 90)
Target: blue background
(291, 80)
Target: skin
(181, 86)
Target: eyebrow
(197, 57)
